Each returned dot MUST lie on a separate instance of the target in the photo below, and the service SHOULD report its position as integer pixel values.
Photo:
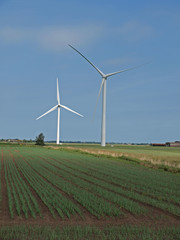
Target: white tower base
(58, 123)
(103, 128)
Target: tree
(40, 139)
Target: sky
(143, 105)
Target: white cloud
(52, 38)
(134, 31)
(56, 38)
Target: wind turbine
(58, 107)
(103, 85)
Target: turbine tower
(58, 107)
(103, 86)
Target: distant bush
(40, 139)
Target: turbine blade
(58, 98)
(52, 109)
(99, 71)
(71, 110)
(114, 73)
(98, 97)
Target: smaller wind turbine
(58, 107)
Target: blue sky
(143, 105)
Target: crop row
(93, 203)
(131, 177)
(159, 180)
(105, 189)
(102, 185)
(137, 189)
(0, 172)
(121, 181)
(54, 200)
(20, 197)
(88, 233)
(87, 183)
(134, 172)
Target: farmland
(162, 157)
(84, 196)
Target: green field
(86, 196)
(164, 157)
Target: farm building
(173, 144)
(158, 144)
(167, 144)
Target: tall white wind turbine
(103, 86)
(58, 107)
